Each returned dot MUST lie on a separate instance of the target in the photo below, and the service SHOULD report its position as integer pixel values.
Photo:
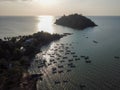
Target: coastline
(19, 52)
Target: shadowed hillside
(75, 21)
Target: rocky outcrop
(75, 21)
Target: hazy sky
(59, 7)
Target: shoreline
(16, 54)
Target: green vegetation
(15, 56)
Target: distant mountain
(75, 21)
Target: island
(16, 54)
(75, 21)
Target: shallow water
(102, 73)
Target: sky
(59, 7)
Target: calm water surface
(103, 73)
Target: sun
(45, 24)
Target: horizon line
(52, 15)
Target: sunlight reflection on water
(45, 24)
(103, 71)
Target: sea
(88, 59)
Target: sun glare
(45, 24)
